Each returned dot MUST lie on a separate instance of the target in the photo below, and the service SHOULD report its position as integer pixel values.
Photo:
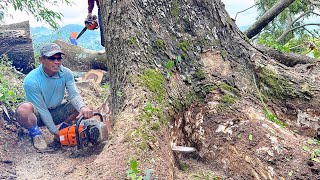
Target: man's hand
(89, 16)
(86, 112)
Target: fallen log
(16, 44)
(288, 59)
(80, 59)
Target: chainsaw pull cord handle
(79, 143)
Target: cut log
(96, 75)
(16, 44)
(80, 59)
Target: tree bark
(182, 74)
(80, 59)
(267, 17)
(16, 44)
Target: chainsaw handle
(98, 114)
(79, 143)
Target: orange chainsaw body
(82, 133)
(68, 135)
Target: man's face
(51, 64)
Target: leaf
(310, 141)
(131, 175)
(313, 155)
(169, 74)
(316, 54)
(306, 148)
(119, 93)
(250, 137)
(316, 160)
(170, 64)
(317, 152)
(134, 166)
(178, 59)
(10, 93)
(148, 107)
(147, 174)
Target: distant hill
(89, 40)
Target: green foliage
(228, 99)
(11, 93)
(150, 111)
(154, 81)
(132, 41)
(175, 11)
(269, 115)
(277, 27)
(170, 64)
(39, 9)
(184, 45)
(273, 85)
(271, 42)
(105, 90)
(314, 152)
(134, 172)
(161, 44)
(273, 117)
(229, 93)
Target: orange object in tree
(68, 135)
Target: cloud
(76, 13)
(245, 18)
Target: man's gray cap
(50, 50)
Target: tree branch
(288, 29)
(244, 11)
(292, 29)
(315, 13)
(267, 17)
(314, 36)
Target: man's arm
(75, 98)
(90, 6)
(33, 95)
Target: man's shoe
(39, 142)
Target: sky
(78, 12)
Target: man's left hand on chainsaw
(86, 112)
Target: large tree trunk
(212, 97)
(16, 44)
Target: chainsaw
(84, 132)
(90, 23)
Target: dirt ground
(238, 144)
(20, 160)
(234, 158)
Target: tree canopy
(291, 22)
(40, 9)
